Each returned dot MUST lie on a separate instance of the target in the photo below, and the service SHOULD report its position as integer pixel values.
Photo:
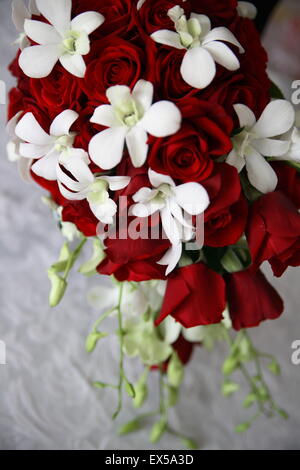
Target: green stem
(121, 363)
(74, 256)
(103, 317)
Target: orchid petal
(143, 94)
(68, 182)
(19, 14)
(41, 33)
(118, 94)
(236, 160)
(198, 68)
(271, 147)
(171, 258)
(33, 151)
(39, 61)
(204, 21)
(77, 166)
(157, 179)
(74, 64)
(136, 141)
(46, 166)
(162, 119)
(222, 34)
(63, 123)
(277, 118)
(11, 125)
(116, 183)
(223, 55)
(69, 195)
(104, 115)
(170, 226)
(246, 115)
(29, 130)
(105, 212)
(260, 173)
(146, 209)
(24, 167)
(142, 195)
(169, 328)
(87, 21)
(167, 38)
(58, 13)
(33, 9)
(247, 10)
(192, 197)
(106, 148)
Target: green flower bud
(231, 263)
(242, 427)
(173, 395)
(158, 431)
(228, 388)
(249, 400)
(92, 340)
(58, 289)
(129, 389)
(274, 367)
(175, 371)
(189, 443)
(127, 428)
(230, 365)
(141, 392)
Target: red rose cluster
(242, 227)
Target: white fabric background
(46, 401)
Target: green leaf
(129, 427)
(274, 367)
(231, 263)
(229, 388)
(158, 431)
(243, 427)
(175, 371)
(263, 394)
(92, 340)
(89, 267)
(102, 385)
(58, 289)
(189, 443)
(275, 92)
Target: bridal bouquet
(167, 152)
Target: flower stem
(121, 363)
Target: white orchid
(63, 40)
(130, 117)
(205, 46)
(171, 330)
(20, 13)
(293, 153)
(48, 149)
(88, 186)
(247, 10)
(13, 149)
(173, 203)
(260, 139)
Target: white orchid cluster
(131, 117)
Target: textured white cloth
(46, 399)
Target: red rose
(118, 14)
(134, 260)
(288, 181)
(226, 217)
(80, 214)
(112, 61)
(195, 296)
(57, 92)
(274, 232)
(153, 15)
(204, 135)
(220, 12)
(252, 299)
